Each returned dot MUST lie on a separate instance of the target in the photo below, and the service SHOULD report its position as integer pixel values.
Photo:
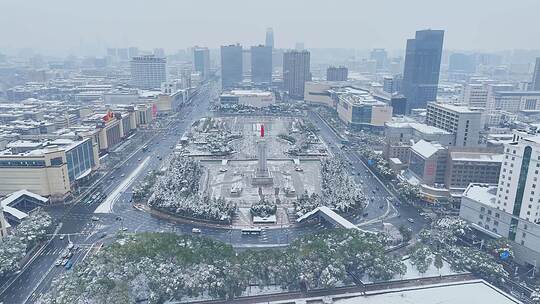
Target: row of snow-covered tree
(380, 165)
(177, 191)
(441, 241)
(161, 267)
(23, 238)
(264, 207)
(339, 192)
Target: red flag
(262, 130)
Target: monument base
(262, 180)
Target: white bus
(251, 231)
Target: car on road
(410, 220)
(58, 262)
(104, 234)
(64, 261)
(122, 175)
(196, 230)
(112, 177)
(365, 214)
(62, 237)
(95, 218)
(125, 229)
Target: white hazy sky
(66, 25)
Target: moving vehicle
(69, 264)
(95, 218)
(410, 220)
(196, 230)
(251, 231)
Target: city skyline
(74, 28)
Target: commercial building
(461, 121)
(422, 67)
(401, 135)
(318, 93)
(479, 207)
(535, 84)
(362, 110)
(261, 64)
(337, 73)
(252, 98)
(148, 72)
(427, 161)
(466, 167)
(511, 207)
(296, 71)
(231, 65)
(201, 61)
(48, 168)
(514, 101)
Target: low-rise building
(401, 134)
(360, 109)
(318, 93)
(466, 167)
(252, 98)
(427, 162)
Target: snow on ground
(107, 205)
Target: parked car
(410, 220)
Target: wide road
(378, 208)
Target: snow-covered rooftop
(476, 156)
(483, 193)
(426, 149)
(257, 93)
(420, 127)
(475, 291)
(455, 108)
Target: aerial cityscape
(213, 152)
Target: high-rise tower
(296, 72)
(422, 67)
(269, 37)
